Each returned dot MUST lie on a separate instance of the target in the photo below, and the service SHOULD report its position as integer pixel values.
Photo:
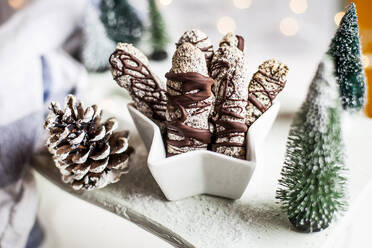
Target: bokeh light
(365, 61)
(242, 4)
(338, 17)
(16, 4)
(298, 6)
(226, 24)
(289, 26)
(165, 2)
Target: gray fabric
(17, 139)
(23, 106)
(18, 206)
(36, 236)
(20, 122)
(33, 72)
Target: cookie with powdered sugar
(265, 85)
(189, 101)
(130, 69)
(231, 39)
(199, 39)
(229, 70)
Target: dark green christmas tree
(346, 50)
(121, 21)
(159, 36)
(312, 185)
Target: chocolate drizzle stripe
(227, 144)
(181, 129)
(231, 128)
(274, 80)
(192, 42)
(271, 94)
(240, 42)
(206, 49)
(256, 103)
(154, 97)
(231, 113)
(203, 49)
(191, 81)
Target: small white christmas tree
(97, 46)
(312, 182)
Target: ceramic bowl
(202, 172)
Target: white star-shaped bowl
(202, 172)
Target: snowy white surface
(204, 221)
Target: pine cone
(87, 152)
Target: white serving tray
(202, 172)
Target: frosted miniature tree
(311, 188)
(121, 21)
(97, 46)
(159, 36)
(346, 51)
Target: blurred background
(51, 47)
(297, 32)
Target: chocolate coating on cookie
(191, 82)
(229, 69)
(130, 69)
(190, 101)
(264, 87)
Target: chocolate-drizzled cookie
(199, 39)
(229, 70)
(265, 85)
(189, 101)
(231, 39)
(130, 69)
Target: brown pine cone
(87, 152)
